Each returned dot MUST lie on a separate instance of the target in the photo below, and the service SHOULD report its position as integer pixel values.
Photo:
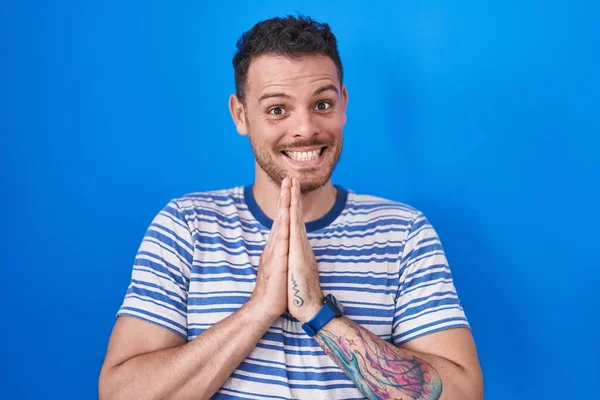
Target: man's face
(295, 113)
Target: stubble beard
(311, 179)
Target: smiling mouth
(304, 155)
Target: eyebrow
(325, 88)
(320, 90)
(271, 95)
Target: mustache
(304, 143)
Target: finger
(301, 223)
(282, 233)
(279, 201)
(295, 216)
(283, 192)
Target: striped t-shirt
(381, 259)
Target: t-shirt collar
(332, 214)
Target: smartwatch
(331, 308)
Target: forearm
(194, 370)
(383, 371)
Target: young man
(291, 288)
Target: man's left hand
(305, 297)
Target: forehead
(291, 74)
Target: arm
(147, 361)
(438, 365)
(383, 371)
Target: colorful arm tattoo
(378, 368)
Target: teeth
(303, 155)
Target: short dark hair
(289, 36)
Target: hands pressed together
(288, 276)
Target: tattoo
(378, 369)
(298, 301)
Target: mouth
(308, 156)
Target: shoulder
(372, 206)
(215, 200)
(190, 208)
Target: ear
(236, 108)
(344, 101)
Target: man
(291, 287)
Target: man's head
(290, 99)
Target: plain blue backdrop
(484, 116)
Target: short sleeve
(160, 278)
(427, 300)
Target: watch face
(334, 303)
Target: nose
(305, 125)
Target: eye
(323, 105)
(277, 111)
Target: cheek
(333, 126)
(265, 130)
(268, 136)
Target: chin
(309, 182)
(307, 186)
(312, 177)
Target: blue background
(484, 116)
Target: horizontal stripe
(402, 339)
(149, 243)
(166, 322)
(171, 213)
(427, 284)
(182, 249)
(418, 302)
(292, 375)
(200, 257)
(434, 323)
(324, 386)
(425, 312)
(167, 306)
(427, 274)
(162, 269)
(224, 395)
(212, 243)
(421, 251)
(137, 287)
(216, 220)
(299, 367)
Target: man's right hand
(270, 292)
(145, 360)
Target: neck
(314, 204)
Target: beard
(310, 179)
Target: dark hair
(291, 37)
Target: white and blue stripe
(383, 260)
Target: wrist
(259, 312)
(330, 309)
(310, 310)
